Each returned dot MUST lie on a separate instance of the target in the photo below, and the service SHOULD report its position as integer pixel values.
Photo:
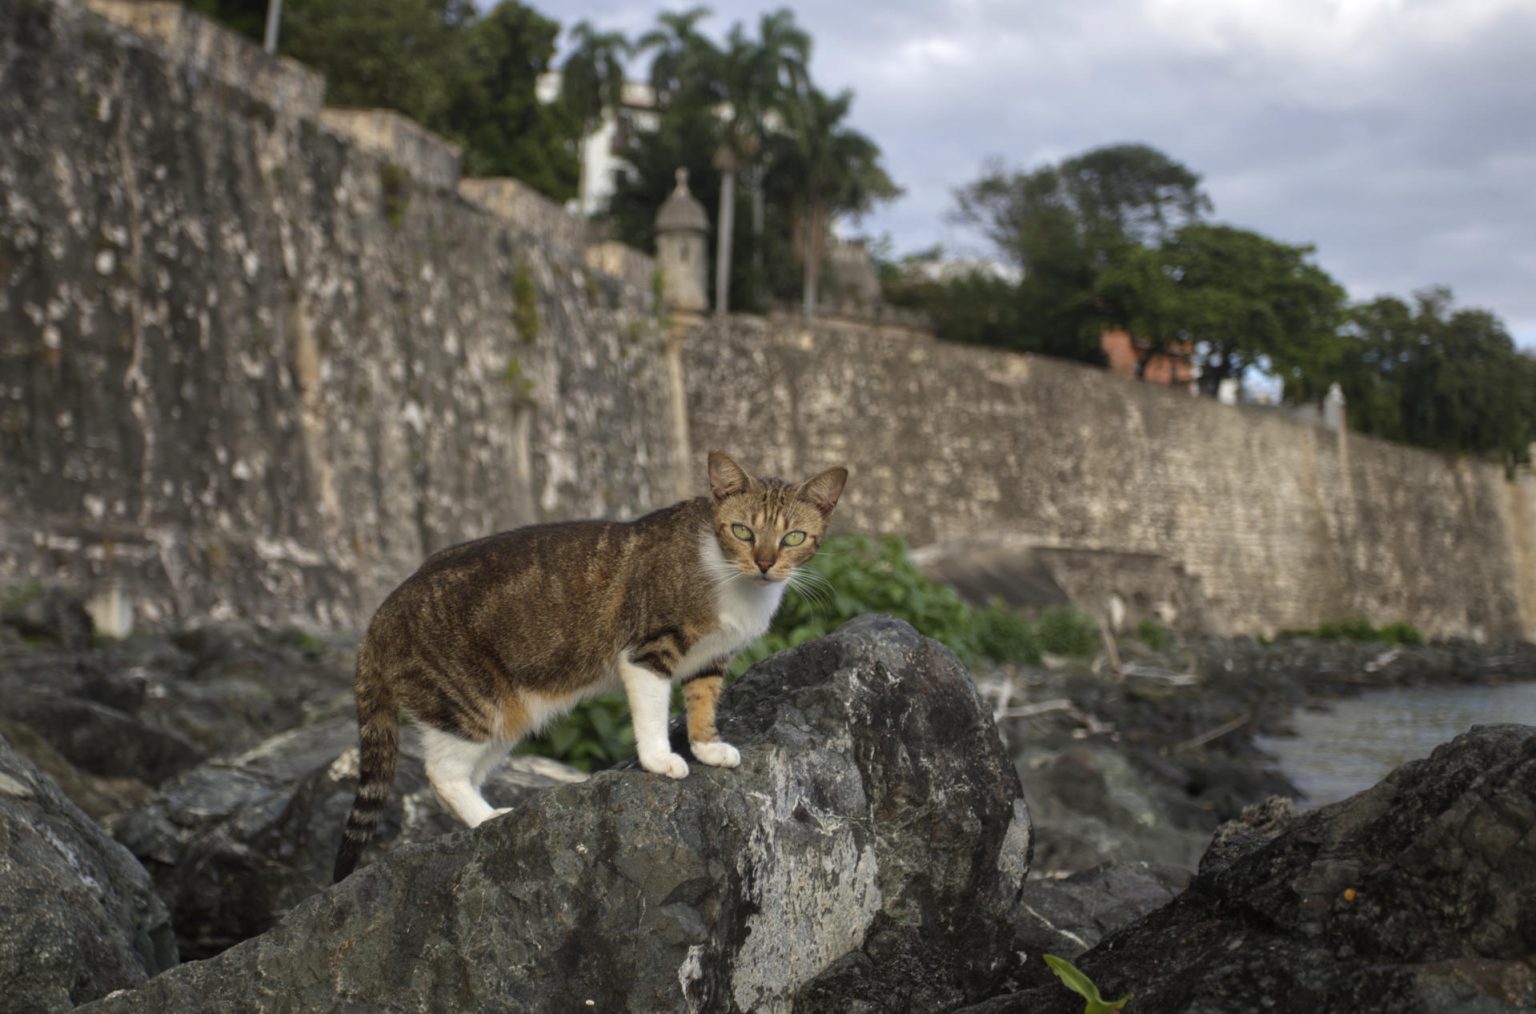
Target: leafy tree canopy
(467, 75)
(1430, 374)
(1062, 225)
(749, 107)
(1236, 298)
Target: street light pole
(274, 16)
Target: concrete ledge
(428, 158)
(197, 43)
(625, 263)
(526, 208)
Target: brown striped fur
(491, 637)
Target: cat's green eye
(793, 539)
(742, 532)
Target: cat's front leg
(650, 698)
(701, 693)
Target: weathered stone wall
(257, 358)
(1278, 523)
(250, 366)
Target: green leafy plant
(1004, 636)
(1357, 628)
(525, 306)
(1083, 986)
(519, 382)
(856, 574)
(393, 184)
(593, 736)
(1154, 635)
(1065, 631)
(852, 575)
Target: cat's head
(768, 527)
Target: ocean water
(1355, 743)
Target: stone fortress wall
(257, 357)
(1230, 518)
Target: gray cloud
(1397, 136)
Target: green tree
(680, 55)
(1062, 225)
(1238, 298)
(779, 75)
(734, 111)
(824, 169)
(972, 305)
(756, 80)
(402, 55)
(493, 110)
(468, 76)
(1440, 377)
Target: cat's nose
(763, 565)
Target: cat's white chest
(746, 609)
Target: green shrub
(1154, 635)
(1065, 631)
(1004, 636)
(394, 188)
(1357, 628)
(525, 304)
(852, 575)
(595, 735)
(1402, 633)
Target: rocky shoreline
(1145, 767)
(191, 784)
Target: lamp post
(274, 17)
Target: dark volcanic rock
(47, 616)
(78, 916)
(150, 708)
(1418, 895)
(1066, 917)
(235, 843)
(867, 854)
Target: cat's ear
(726, 478)
(824, 490)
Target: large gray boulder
(865, 856)
(1417, 896)
(236, 842)
(78, 915)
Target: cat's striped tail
(378, 722)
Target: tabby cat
(490, 640)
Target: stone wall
(250, 366)
(1279, 524)
(258, 358)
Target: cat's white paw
(717, 754)
(669, 764)
(500, 812)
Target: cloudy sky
(1397, 136)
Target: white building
(600, 161)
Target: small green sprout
(1083, 986)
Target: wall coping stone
(427, 157)
(195, 42)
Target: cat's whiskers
(812, 587)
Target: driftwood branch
(1231, 725)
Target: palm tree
(826, 169)
(592, 84)
(680, 52)
(783, 56)
(756, 81)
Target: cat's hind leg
(451, 765)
